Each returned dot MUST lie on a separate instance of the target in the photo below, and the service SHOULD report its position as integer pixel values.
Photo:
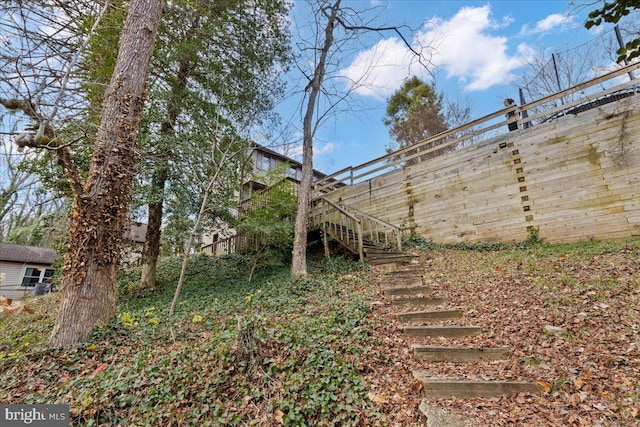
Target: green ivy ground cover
(269, 352)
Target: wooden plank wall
(575, 178)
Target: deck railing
(598, 91)
(353, 228)
(230, 245)
(376, 231)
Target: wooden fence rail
(571, 171)
(486, 127)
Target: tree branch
(383, 29)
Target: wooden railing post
(360, 242)
(323, 220)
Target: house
(23, 267)
(263, 159)
(133, 243)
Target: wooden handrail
(395, 229)
(339, 227)
(470, 130)
(354, 222)
(339, 208)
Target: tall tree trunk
(299, 256)
(101, 204)
(151, 248)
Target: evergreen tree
(414, 113)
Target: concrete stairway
(418, 309)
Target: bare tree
(14, 183)
(39, 89)
(29, 213)
(337, 29)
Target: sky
(479, 51)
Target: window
(33, 275)
(292, 172)
(265, 162)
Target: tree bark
(151, 248)
(99, 215)
(299, 255)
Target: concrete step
(457, 354)
(397, 291)
(464, 389)
(441, 331)
(420, 316)
(417, 301)
(439, 417)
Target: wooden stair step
(388, 259)
(441, 331)
(390, 282)
(412, 267)
(406, 273)
(457, 354)
(407, 290)
(462, 389)
(386, 254)
(417, 301)
(417, 316)
(377, 250)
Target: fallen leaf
(376, 398)
(545, 385)
(600, 406)
(10, 307)
(278, 416)
(99, 369)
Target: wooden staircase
(419, 312)
(362, 234)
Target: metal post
(555, 68)
(523, 113)
(622, 46)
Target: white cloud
(376, 72)
(295, 150)
(552, 21)
(462, 47)
(327, 148)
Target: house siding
(14, 272)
